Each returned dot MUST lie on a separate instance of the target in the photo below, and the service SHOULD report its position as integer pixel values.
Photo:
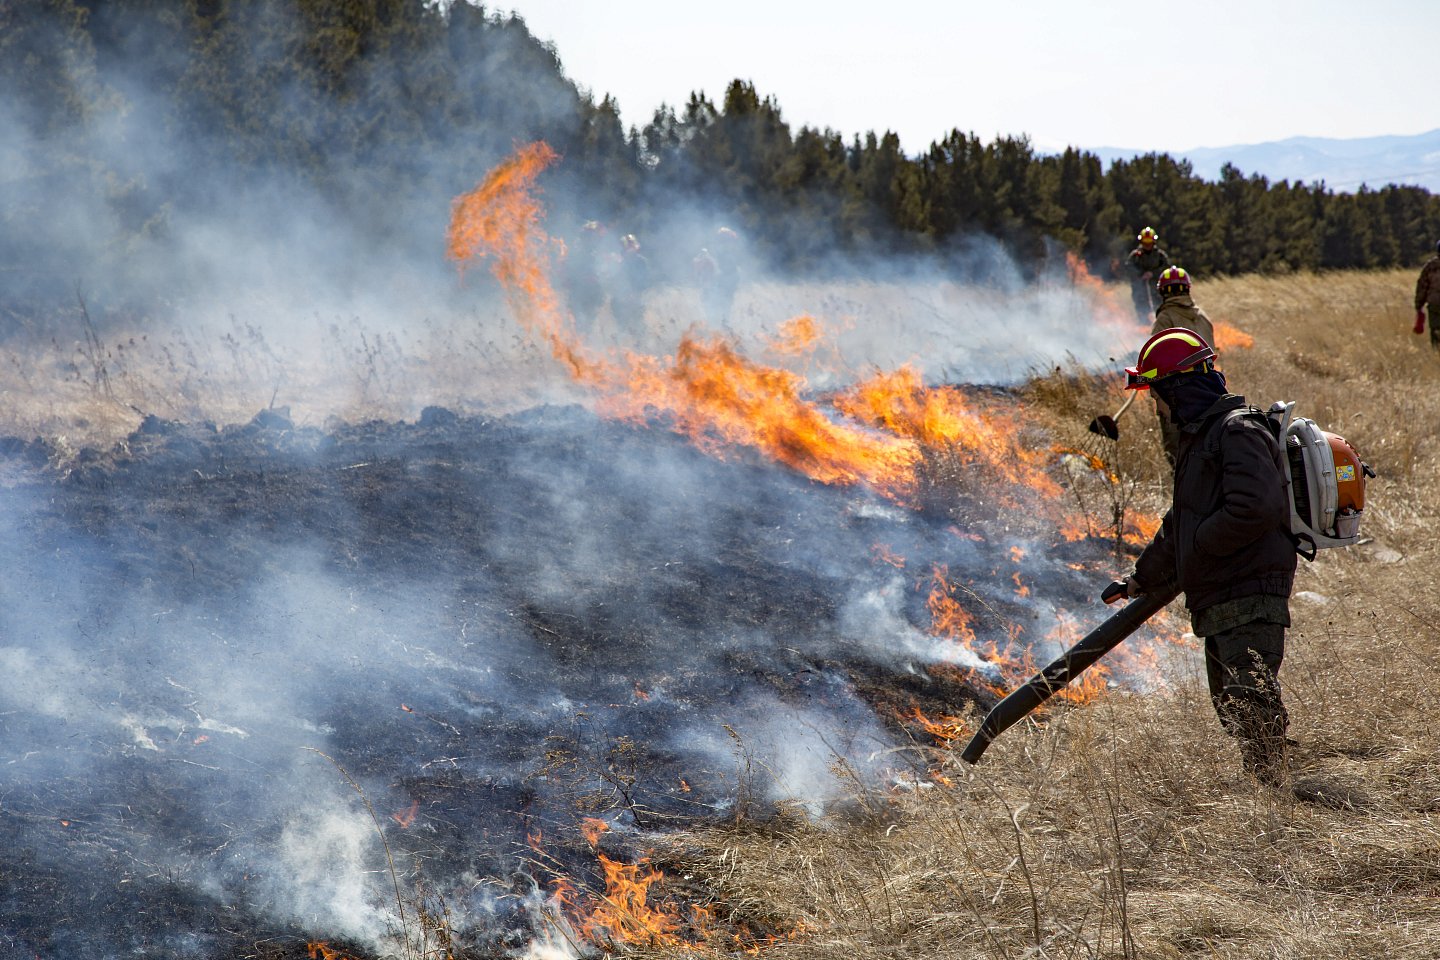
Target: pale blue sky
(1154, 75)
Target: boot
(1266, 757)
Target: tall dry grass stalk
(1125, 828)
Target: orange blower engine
(1327, 482)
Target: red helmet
(1169, 352)
(1173, 280)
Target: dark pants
(1434, 313)
(1142, 293)
(1243, 667)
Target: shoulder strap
(1305, 546)
(1212, 434)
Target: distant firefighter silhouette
(580, 276)
(632, 277)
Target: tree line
(138, 108)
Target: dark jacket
(1427, 288)
(1151, 261)
(1227, 533)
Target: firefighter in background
(1146, 262)
(1177, 309)
(1427, 295)
(580, 275)
(632, 277)
(705, 271)
(716, 269)
(1225, 542)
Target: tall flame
(707, 390)
(501, 220)
(1110, 306)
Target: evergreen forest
(126, 118)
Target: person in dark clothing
(1146, 262)
(580, 276)
(1225, 541)
(1427, 297)
(632, 277)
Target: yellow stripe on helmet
(1185, 338)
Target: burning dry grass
(1125, 828)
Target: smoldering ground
(491, 622)
(490, 625)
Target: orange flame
(626, 913)
(1230, 337)
(944, 728)
(1094, 681)
(1140, 528)
(593, 828)
(942, 418)
(708, 391)
(884, 554)
(947, 618)
(796, 337)
(319, 950)
(719, 400)
(500, 219)
(1109, 306)
(406, 817)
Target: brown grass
(1125, 828)
(1119, 829)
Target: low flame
(796, 337)
(944, 728)
(884, 554)
(941, 417)
(406, 817)
(1230, 337)
(319, 950)
(721, 400)
(628, 912)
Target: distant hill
(1343, 164)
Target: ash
(233, 659)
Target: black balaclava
(1189, 395)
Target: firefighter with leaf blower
(1225, 542)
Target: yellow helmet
(1173, 280)
(1148, 237)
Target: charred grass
(1125, 828)
(1122, 828)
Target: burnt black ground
(493, 625)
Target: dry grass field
(1121, 828)
(1125, 828)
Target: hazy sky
(1144, 75)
